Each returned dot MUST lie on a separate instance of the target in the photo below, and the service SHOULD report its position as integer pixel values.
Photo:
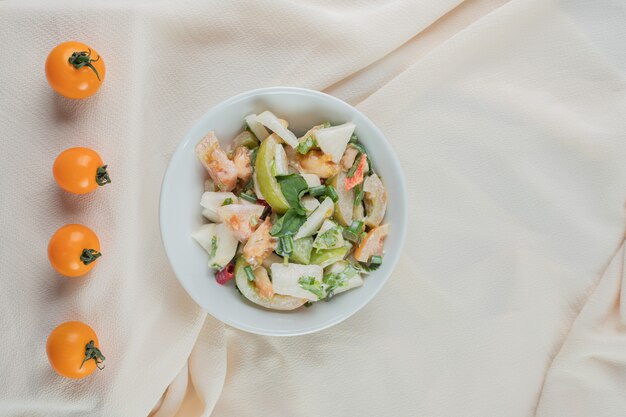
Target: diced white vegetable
(269, 120)
(333, 140)
(312, 180)
(272, 258)
(315, 220)
(211, 201)
(280, 161)
(285, 279)
(257, 128)
(327, 225)
(310, 203)
(219, 243)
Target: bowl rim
(401, 232)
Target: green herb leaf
(310, 284)
(288, 224)
(227, 201)
(292, 186)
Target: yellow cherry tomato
(80, 170)
(73, 250)
(73, 350)
(75, 70)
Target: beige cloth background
(509, 119)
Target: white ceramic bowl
(180, 212)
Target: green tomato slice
(302, 250)
(268, 184)
(327, 257)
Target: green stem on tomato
(89, 255)
(92, 352)
(102, 176)
(83, 59)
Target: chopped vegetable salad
(294, 220)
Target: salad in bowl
(291, 219)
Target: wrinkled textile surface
(509, 119)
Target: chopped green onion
(249, 273)
(249, 185)
(227, 201)
(354, 231)
(375, 262)
(358, 194)
(248, 197)
(355, 165)
(305, 146)
(317, 191)
(286, 244)
(326, 125)
(332, 193)
(358, 147)
(285, 260)
(361, 149)
(308, 304)
(253, 155)
(353, 139)
(356, 227)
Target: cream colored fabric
(509, 119)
